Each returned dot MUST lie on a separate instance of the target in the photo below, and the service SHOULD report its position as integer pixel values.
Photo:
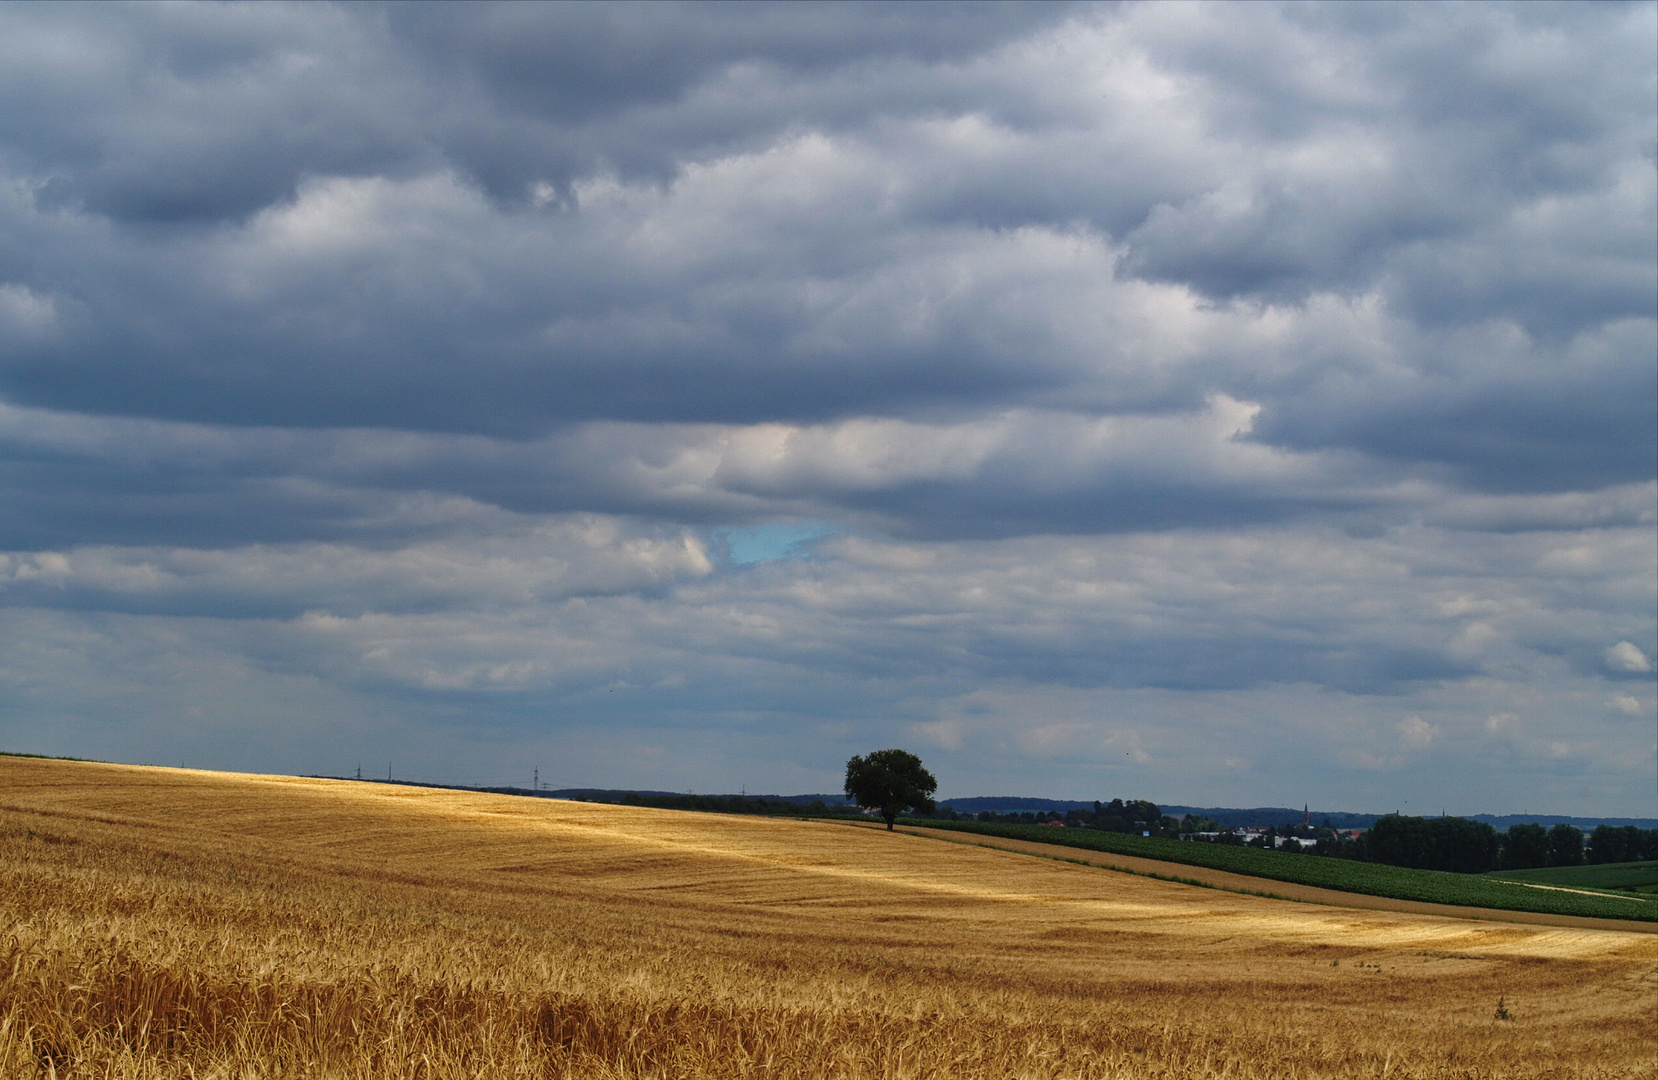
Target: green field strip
(1605, 877)
(1342, 875)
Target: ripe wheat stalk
(159, 924)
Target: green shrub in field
(1374, 879)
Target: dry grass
(165, 923)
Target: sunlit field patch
(165, 923)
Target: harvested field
(165, 923)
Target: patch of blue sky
(770, 540)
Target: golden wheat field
(169, 923)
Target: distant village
(1147, 819)
(1429, 843)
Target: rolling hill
(164, 922)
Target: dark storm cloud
(192, 114)
(1197, 362)
(77, 480)
(1415, 150)
(1497, 412)
(200, 113)
(579, 62)
(503, 219)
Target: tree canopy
(1525, 847)
(1442, 843)
(891, 781)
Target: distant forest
(1261, 817)
(1458, 844)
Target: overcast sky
(1216, 404)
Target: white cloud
(1417, 733)
(949, 734)
(26, 313)
(538, 564)
(1626, 656)
(1627, 704)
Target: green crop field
(1609, 876)
(1374, 879)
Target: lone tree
(892, 781)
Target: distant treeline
(1473, 847)
(770, 805)
(1139, 816)
(1007, 808)
(1437, 843)
(1263, 816)
(1119, 816)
